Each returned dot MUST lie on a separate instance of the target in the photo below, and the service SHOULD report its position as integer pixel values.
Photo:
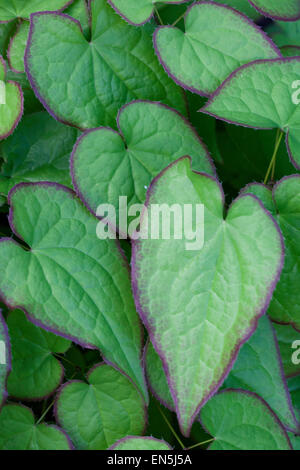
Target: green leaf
(287, 335)
(284, 203)
(35, 372)
(5, 359)
(262, 95)
(79, 10)
(150, 137)
(11, 103)
(243, 7)
(140, 443)
(39, 150)
(290, 51)
(70, 282)
(285, 33)
(187, 297)
(18, 431)
(295, 441)
(258, 368)
(31, 103)
(216, 41)
(241, 420)
(6, 30)
(117, 66)
(9, 10)
(139, 14)
(101, 411)
(17, 47)
(287, 10)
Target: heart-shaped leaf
(187, 297)
(287, 10)
(216, 41)
(18, 431)
(39, 150)
(35, 373)
(241, 420)
(262, 95)
(150, 137)
(118, 65)
(17, 46)
(5, 359)
(139, 14)
(9, 10)
(257, 369)
(140, 443)
(101, 411)
(80, 11)
(284, 204)
(11, 103)
(70, 282)
(289, 345)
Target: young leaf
(139, 14)
(150, 137)
(262, 95)
(35, 373)
(140, 443)
(241, 420)
(9, 10)
(18, 431)
(284, 203)
(216, 41)
(99, 412)
(287, 335)
(258, 368)
(5, 359)
(11, 103)
(287, 10)
(187, 297)
(70, 282)
(17, 46)
(79, 10)
(39, 150)
(118, 65)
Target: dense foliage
(111, 339)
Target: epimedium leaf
(39, 150)
(79, 10)
(18, 431)
(70, 282)
(140, 443)
(217, 40)
(139, 14)
(241, 420)
(186, 297)
(285, 33)
(6, 31)
(243, 7)
(35, 373)
(150, 137)
(101, 411)
(262, 95)
(284, 203)
(9, 10)
(5, 359)
(290, 51)
(31, 103)
(117, 66)
(258, 369)
(288, 338)
(11, 103)
(286, 10)
(17, 46)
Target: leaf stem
(45, 412)
(201, 443)
(273, 159)
(171, 427)
(179, 18)
(158, 16)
